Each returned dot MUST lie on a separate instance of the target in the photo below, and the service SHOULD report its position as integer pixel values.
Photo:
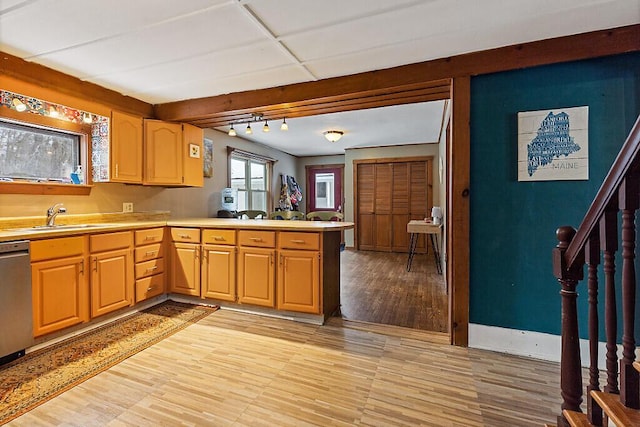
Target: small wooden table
(416, 227)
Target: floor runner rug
(37, 377)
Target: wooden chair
(325, 216)
(252, 214)
(295, 215)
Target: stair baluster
(592, 257)
(609, 239)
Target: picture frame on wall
(207, 164)
(553, 145)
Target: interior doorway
(324, 187)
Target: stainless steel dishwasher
(16, 320)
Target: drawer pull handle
(149, 270)
(297, 241)
(185, 236)
(256, 239)
(150, 238)
(150, 288)
(218, 238)
(149, 253)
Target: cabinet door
(185, 268)
(126, 148)
(256, 273)
(299, 281)
(219, 272)
(162, 152)
(112, 282)
(60, 294)
(193, 155)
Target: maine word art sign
(553, 144)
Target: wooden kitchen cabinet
(256, 267)
(149, 263)
(112, 275)
(298, 284)
(185, 261)
(163, 153)
(126, 148)
(218, 280)
(60, 289)
(192, 155)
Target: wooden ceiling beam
(550, 51)
(48, 78)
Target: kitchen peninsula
(283, 268)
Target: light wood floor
(238, 369)
(375, 287)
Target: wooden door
(219, 272)
(126, 148)
(389, 193)
(163, 152)
(112, 281)
(185, 269)
(256, 276)
(299, 281)
(60, 294)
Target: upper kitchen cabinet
(126, 148)
(173, 154)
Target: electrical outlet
(127, 207)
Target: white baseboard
(530, 344)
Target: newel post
(568, 277)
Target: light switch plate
(127, 207)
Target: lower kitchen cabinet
(112, 278)
(219, 272)
(59, 286)
(185, 261)
(298, 287)
(256, 276)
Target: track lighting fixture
(333, 135)
(255, 118)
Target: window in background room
(36, 154)
(250, 177)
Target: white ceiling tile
(49, 25)
(291, 16)
(176, 40)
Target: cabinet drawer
(149, 268)
(297, 240)
(187, 235)
(261, 239)
(151, 235)
(149, 287)
(56, 248)
(110, 241)
(219, 237)
(145, 253)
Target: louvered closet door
(365, 180)
(400, 191)
(383, 213)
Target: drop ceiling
(165, 50)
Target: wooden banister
(626, 161)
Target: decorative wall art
(553, 144)
(208, 158)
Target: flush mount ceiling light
(19, 105)
(255, 118)
(333, 135)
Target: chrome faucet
(53, 212)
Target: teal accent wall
(513, 223)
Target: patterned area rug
(37, 377)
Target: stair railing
(597, 239)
